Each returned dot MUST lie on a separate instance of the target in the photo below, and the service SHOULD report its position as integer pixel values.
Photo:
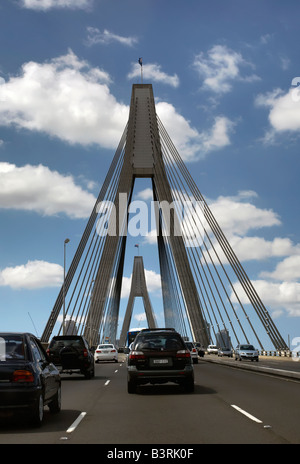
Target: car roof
(162, 329)
(16, 333)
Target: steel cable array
(200, 273)
(206, 262)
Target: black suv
(159, 356)
(71, 353)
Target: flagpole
(141, 64)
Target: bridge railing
(281, 353)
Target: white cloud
(287, 270)
(257, 248)
(237, 216)
(68, 99)
(65, 98)
(153, 283)
(190, 143)
(140, 317)
(34, 274)
(278, 297)
(221, 68)
(106, 37)
(153, 72)
(284, 114)
(37, 188)
(146, 194)
(44, 5)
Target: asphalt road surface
(229, 406)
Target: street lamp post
(64, 308)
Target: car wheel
(37, 413)
(131, 386)
(55, 405)
(189, 386)
(89, 374)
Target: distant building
(223, 339)
(70, 328)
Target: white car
(246, 352)
(193, 350)
(212, 349)
(106, 352)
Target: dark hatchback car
(28, 380)
(72, 354)
(159, 356)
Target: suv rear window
(11, 348)
(64, 342)
(158, 341)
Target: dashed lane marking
(247, 414)
(76, 422)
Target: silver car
(246, 352)
(225, 352)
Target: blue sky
(222, 73)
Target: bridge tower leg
(143, 158)
(138, 289)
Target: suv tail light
(136, 355)
(85, 353)
(22, 375)
(183, 354)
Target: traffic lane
(264, 361)
(78, 395)
(273, 400)
(163, 414)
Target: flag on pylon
(141, 61)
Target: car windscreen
(11, 348)
(103, 347)
(158, 342)
(247, 347)
(190, 346)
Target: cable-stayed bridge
(204, 285)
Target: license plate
(160, 361)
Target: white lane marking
(76, 422)
(116, 370)
(106, 383)
(247, 414)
